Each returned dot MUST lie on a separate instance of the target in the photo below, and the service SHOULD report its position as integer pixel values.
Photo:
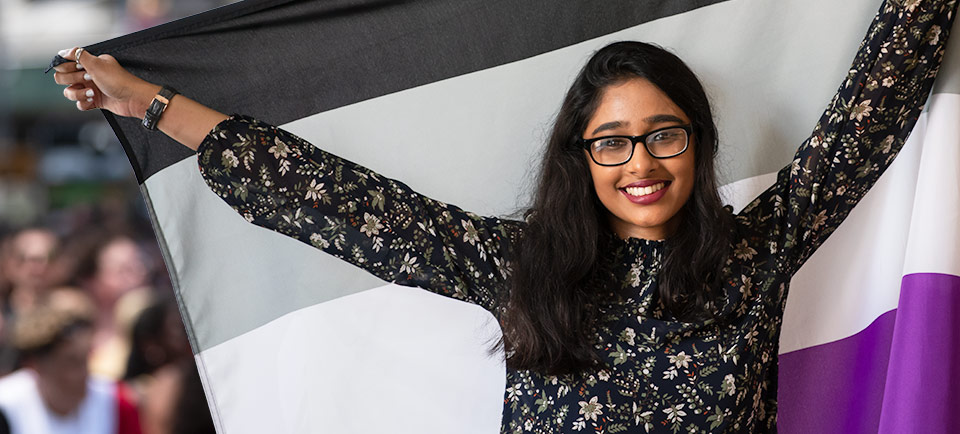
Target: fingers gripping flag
(455, 98)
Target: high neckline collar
(637, 244)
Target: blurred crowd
(90, 335)
(91, 339)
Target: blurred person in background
(162, 370)
(25, 258)
(67, 170)
(54, 392)
(112, 268)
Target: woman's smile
(644, 195)
(645, 192)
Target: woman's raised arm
(858, 135)
(102, 83)
(278, 181)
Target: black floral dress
(661, 375)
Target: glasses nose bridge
(639, 142)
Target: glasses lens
(611, 150)
(667, 143)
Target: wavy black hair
(558, 276)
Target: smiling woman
(593, 193)
(629, 297)
(643, 192)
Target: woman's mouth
(645, 194)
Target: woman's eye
(659, 137)
(667, 136)
(609, 144)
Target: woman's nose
(641, 162)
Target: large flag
(455, 98)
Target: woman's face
(633, 108)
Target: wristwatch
(156, 108)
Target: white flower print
(371, 225)
(728, 386)
(861, 110)
(470, 234)
(681, 360)
(590, 410)
(743, 251)
(318, 240)
(279, 149)
(933, 35)
(229, 159)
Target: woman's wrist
(142, 97)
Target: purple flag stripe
(846, 386)
(836, 387)
(922, 393)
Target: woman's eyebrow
(655, 119)
(663, 118)
(610, 126)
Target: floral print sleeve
(858, 135)
(279, 181)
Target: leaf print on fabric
(409, 264)
(743, 251)
(675, 413)
(315, 190)
(229, 159)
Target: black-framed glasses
(616, 150)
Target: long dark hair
(558, 275)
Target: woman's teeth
(643, 191)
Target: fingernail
(63, 52)
(89, 99)
(79, 66)
(89, 92)
(86, 77)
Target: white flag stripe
(934, 244)
(389, 360)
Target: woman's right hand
(102, 83)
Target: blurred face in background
(62, 373)
(26, 261)
(120, 268)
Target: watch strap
(157, 106)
